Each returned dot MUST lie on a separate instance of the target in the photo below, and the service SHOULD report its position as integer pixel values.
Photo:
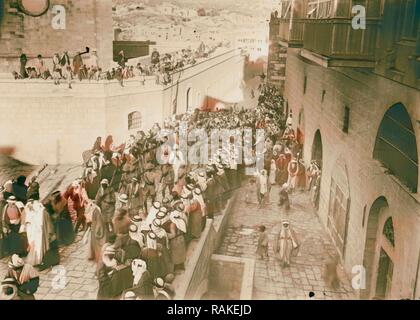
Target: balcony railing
(292, 33)
(337, 40)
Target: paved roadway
(271, 282)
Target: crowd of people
(85, 66)
(138, 208)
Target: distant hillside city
(242, 24)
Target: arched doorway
(378, 258)
(396, 146)
(317, 148)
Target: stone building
(32, 28)
(354, 93)
(41, 122)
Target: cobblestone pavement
(304, 276)
(73, 279)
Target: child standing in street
(262, 246)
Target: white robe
(285, 243)
(38, 228)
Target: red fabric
(300, 136)
(282, 162)
(13, 213)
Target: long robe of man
(2, 205)
(286, 241)
(25, 276)
(142, 280)
(163, 241)
(134, 193)
(105, 199)
(194, 211)
(178, 228)
(99, 231)
(39, 230)
(63, 224)
(13, 217)
(151, 254)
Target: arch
(189, 97)
(396, 146)
(317, 148)
(379, 251)
(134, 120)
(370, 243)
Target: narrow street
(305, 274)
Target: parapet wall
(88, 23)
(194, 282)
(54, 124)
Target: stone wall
(54, 124)
(194, 282)
(352, 152)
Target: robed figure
(285, 244)
(40, 232)
(98, 231)
(178, 228)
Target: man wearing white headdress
(142, 280)
(178, 228)
(26, 278)
(285, 243)
(198, 195)
(39, 230)
(163, 241)
(152, 255)
(151, 215)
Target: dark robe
(126, 248)
(20, 191)
(105, 199)
(195, 219)
(153, 261)
(113, 282)
(63, 225)
(177, 245)
(2, 243)
(26, 289)
(15, 242)
(144, 288)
